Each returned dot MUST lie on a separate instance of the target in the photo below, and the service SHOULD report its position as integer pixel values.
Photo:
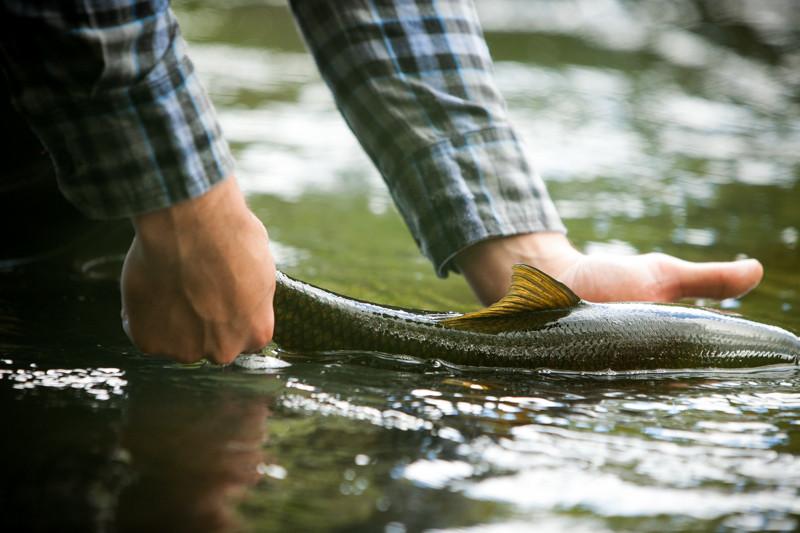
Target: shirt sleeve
(110, 92)
(414, 82)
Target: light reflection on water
(575, 120)
(651, 135)
(682, 451)
(99, 383)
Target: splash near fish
(539, 324)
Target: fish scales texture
(584, 337)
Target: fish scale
(522, 331)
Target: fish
(540, 324)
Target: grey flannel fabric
(109, 90)
(413, 79)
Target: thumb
(717, 280)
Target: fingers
(218, 345)
(261, 337)
(717, 280)
(658, 277)
(218, 351)
(187, 354)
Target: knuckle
(223, 357)
(262, 336)
(144, 345)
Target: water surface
(674, 129)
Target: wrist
(486, 265)
(548, 251)
(177, 226)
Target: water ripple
(100, 383)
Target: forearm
(415, 83)
(175, 230)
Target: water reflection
(698, 448)
(670, 126)
(194, 453)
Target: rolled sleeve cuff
(469, 188)
(118, 106)
(128, 155)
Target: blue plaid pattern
(108, 88)
(413, 79)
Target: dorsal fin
(531, 290)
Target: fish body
(540, 324)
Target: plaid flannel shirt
(110, 91)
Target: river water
(670, 126)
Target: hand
(651, 277)
(199, 278)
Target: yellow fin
(531, 290)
